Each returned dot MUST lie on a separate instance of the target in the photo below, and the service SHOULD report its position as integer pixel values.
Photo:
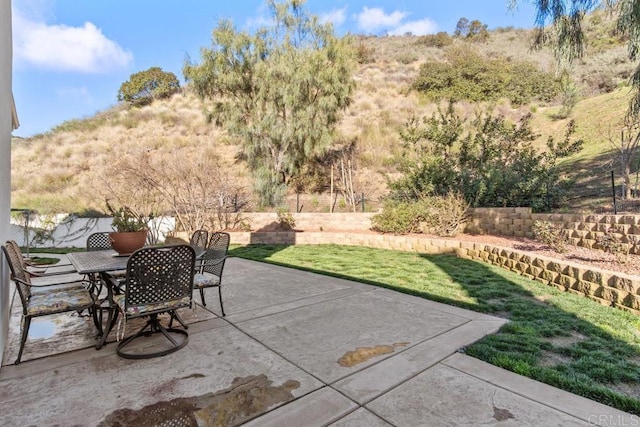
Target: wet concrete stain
(245, 399)
(501, 414)
(362, 354)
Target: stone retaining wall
(265, 221)
(583, 230)
(608, 288)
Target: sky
(71, 56)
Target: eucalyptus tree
(281, 90)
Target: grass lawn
(559, 338)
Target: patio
(295, 348)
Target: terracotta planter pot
(128, 242)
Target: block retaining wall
(266, 221)
(583, 230)
(606, 287)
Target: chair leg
(204, 304)
(25, 333)
(220, 296)
(175, 316)
(152, 326)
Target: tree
(462, 27)
(281, 90)
(471, 30)
(143, 87)
(496, 163)
(198, 193)
(567, 36)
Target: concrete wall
(6, 103)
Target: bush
(611, 242)
(398, 218)
(440, 39)
(286, 221)
(145, 86)
(364, 53)
(448, 215)
(442, 215)
(489, 160)
(552, 235)
(469, 76)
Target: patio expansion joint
(312, 300)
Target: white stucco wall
(5, 157)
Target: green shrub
(442, 215)
(551, 235)
(440, 39)
(489, 160)
(145, 86)
(469, 76)
(285, 219)
(398, 218)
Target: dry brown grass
(59, 169)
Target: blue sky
(71, 56)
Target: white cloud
(335, 16)
(372, 19)
(60, 47)
(77, 93)
(417, 28)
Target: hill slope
(63, 170)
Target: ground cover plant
(558, 338)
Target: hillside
(65, 169)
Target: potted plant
(130, 229)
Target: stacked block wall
(583, 230)
(313, 221)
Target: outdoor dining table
(102, 263)
(91, 263)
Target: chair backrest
(159, 276)
(214, 257)
(199, 239)
(98, 241)
(19, 274)
(15, 247)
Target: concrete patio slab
(368, 384)
(590, 412)
(262, 289)
(223, 372)
(442, 394)
(296, 349)
(334, 339)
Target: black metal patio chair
(98, 241)
(199, 238)
(212, 265)
(158, 280)
(45, 299)
(33, 269)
